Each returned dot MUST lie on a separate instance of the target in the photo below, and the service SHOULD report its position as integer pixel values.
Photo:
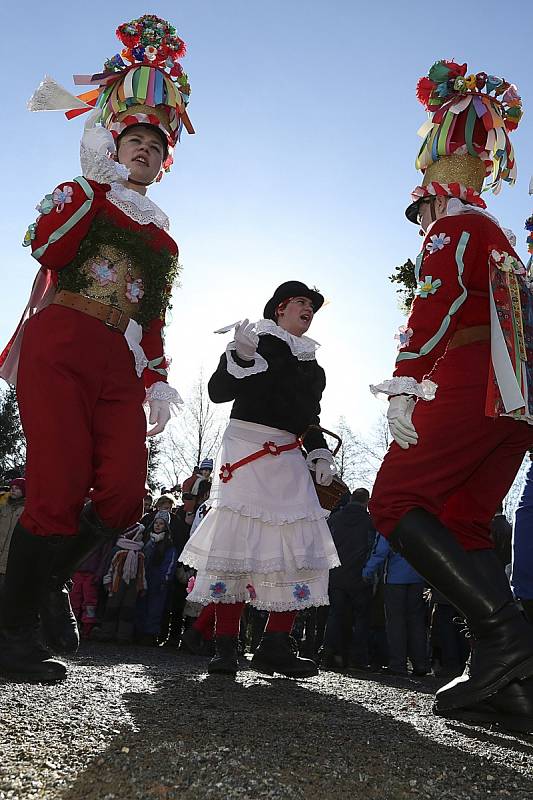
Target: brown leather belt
(477, 333)
(112, 316)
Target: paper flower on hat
(471, 115)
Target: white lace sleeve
(403, 384)
(162, 391)
(96, 147)
(320, 452)
(260, 364)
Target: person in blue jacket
(160, 558)
(405, 610)
(522, 563)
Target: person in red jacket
(93, 354)
(461, 393)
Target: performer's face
(429, 210)
(296, 316)
(141, 149)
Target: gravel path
(147, 723)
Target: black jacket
(286, 396)
(353, 534)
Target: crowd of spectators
(381, 616)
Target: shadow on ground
(211, 737)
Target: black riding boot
(512, 707)
(277, 653)
(226, 658)
(502, 645)
(22, 655)
(58, 623)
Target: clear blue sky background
(301, 167)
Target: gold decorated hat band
(465, 169)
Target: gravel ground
(147, 723)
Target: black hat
(411, 212)
(292, 289)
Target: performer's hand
(323, 472)
(159, 416)
(246, 340)
(399, 418)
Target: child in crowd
(125, 580)
(160, 560)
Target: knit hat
(207, 463)
(165, 516)
(143, 84)
(466, 147)
(292, 289)
(20, 483)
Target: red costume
(87, 430)
(89, 350)
(460, 447)
(461, 396)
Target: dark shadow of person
(195, 737)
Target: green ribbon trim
(70, 223)
(469, 130)
(154, 363)
(455, 306)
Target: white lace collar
(137, 206)
(303, 347)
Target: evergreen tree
(405, 276)
(12, 441)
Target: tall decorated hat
(143, 84)
(466, 147)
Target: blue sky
(301, 167)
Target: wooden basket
(329, 496)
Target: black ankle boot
(511, 708)
(502, 645)
(58, 623)
(226, 659)
(22, 655)
(277, 653)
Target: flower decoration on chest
(437, 242)
(134, 288)
(301, 592)
(61, 197)
(29, 236)
(403, 336)
(507, 263)
(427, 286)
(104, 271)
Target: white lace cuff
(260, 364)
(162, 391)
(320, 452)
(100, 167)
(404, 384)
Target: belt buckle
(112, 320)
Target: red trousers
(464, 463)
(81, 408)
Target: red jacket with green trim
(452, 272)
(95, 248)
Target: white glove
(323, 473)
(399, 418)
(96, 150)
(246, 340)
(159, 416)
